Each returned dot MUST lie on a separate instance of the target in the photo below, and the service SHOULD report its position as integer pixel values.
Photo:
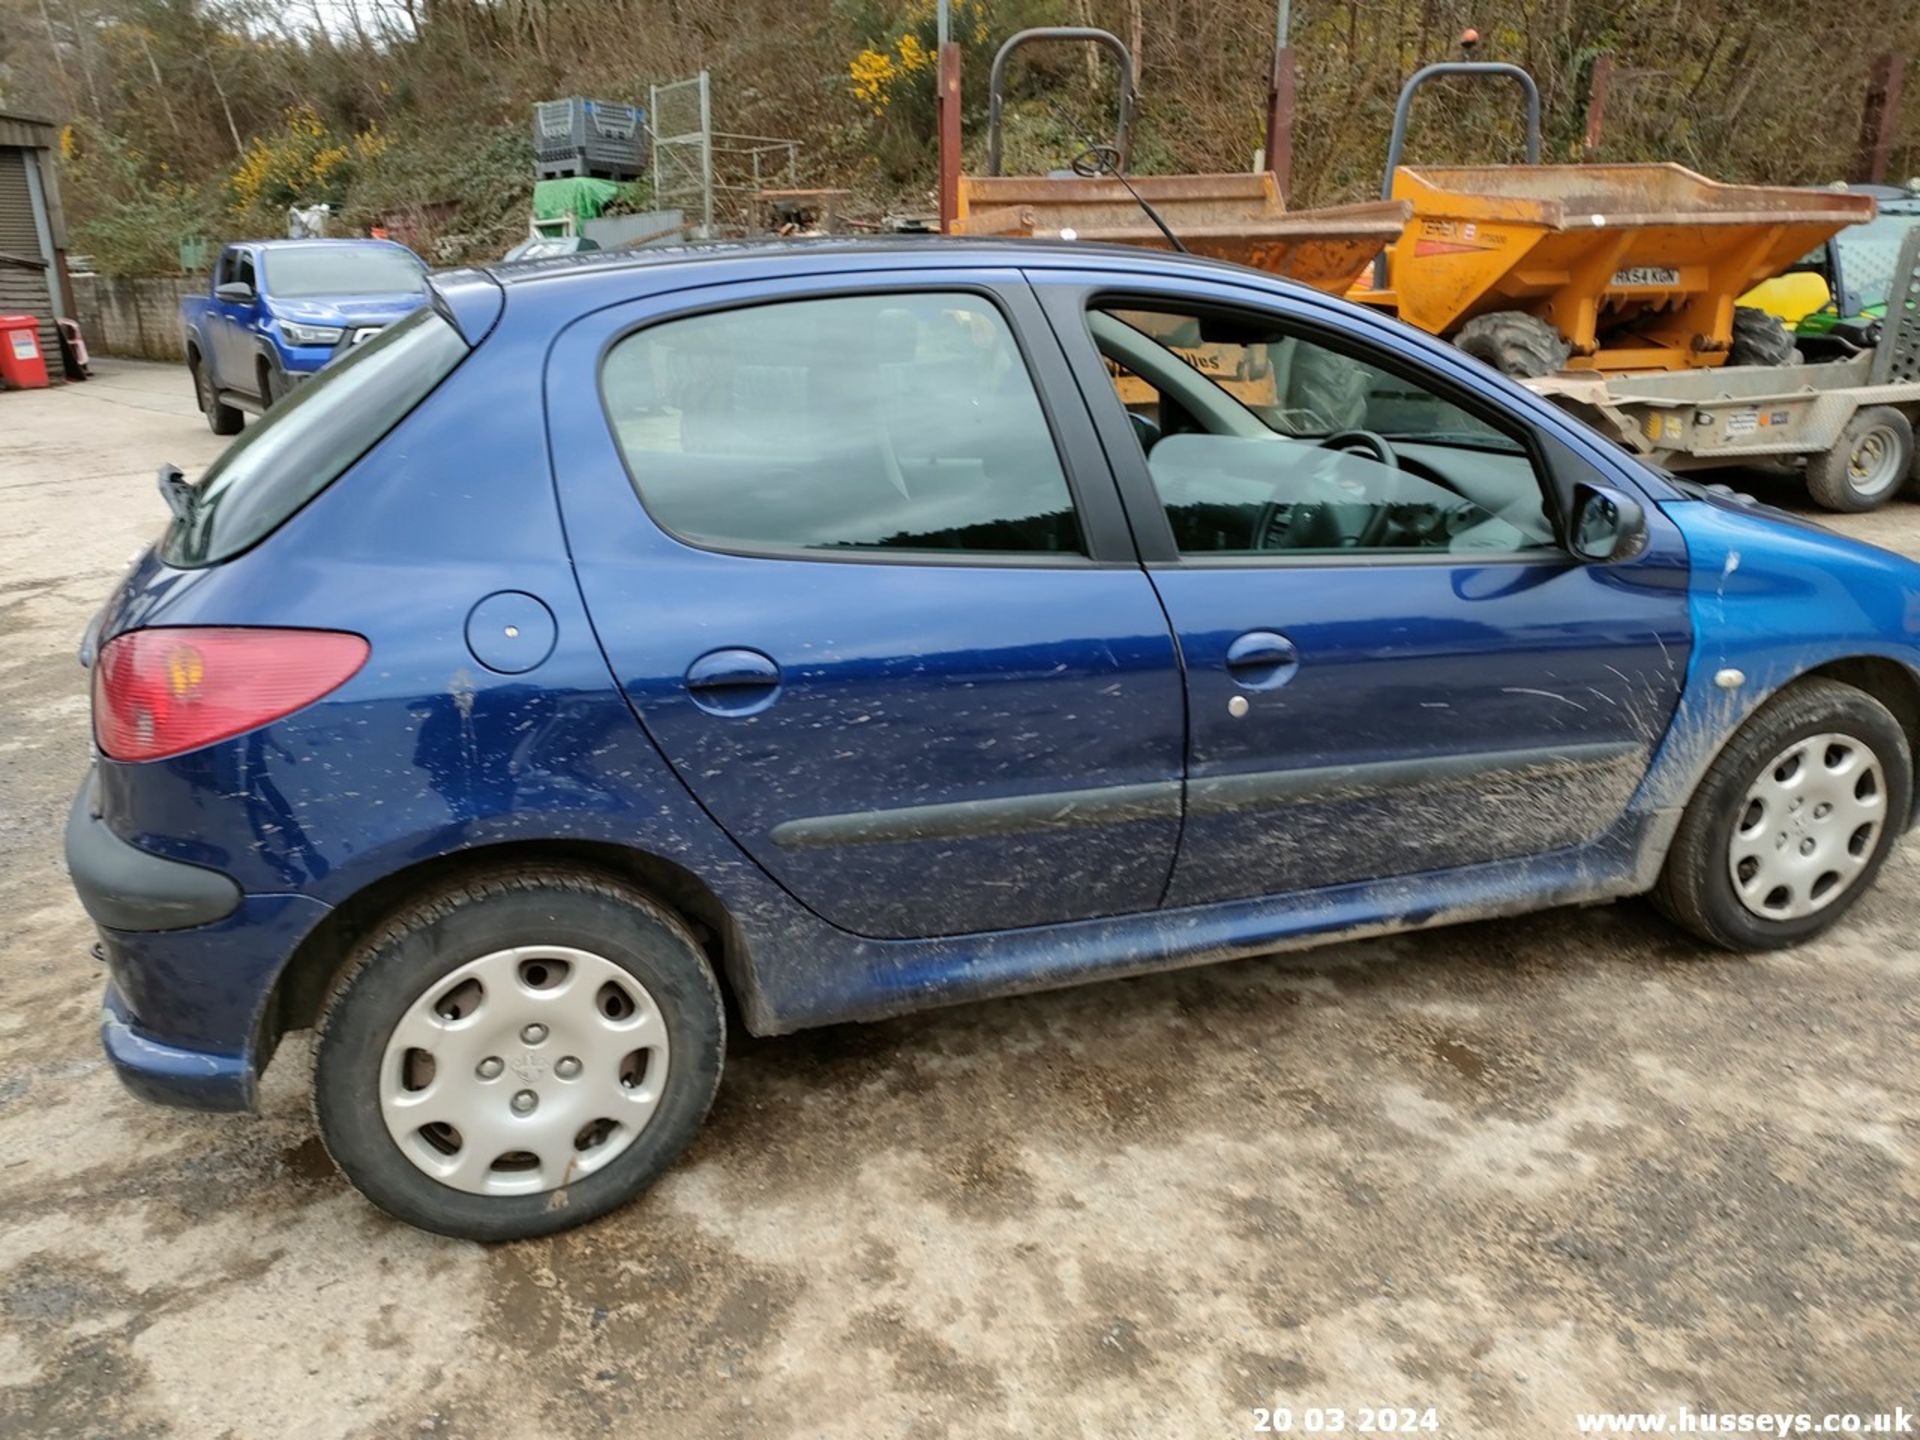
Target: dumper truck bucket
(1637, 266)
(1227, 217)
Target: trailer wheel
(1514, 343)
(1868, 465)
(1759, 339)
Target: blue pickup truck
(278, 310)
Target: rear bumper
(126, 888)
(168, 1074)
(186, 1014)
(192, 963)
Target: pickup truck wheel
(221, 419)
(1867, 465)
(271, 392)
(518, 1054)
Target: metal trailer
(1851, 421)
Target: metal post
(653, 146)
(1597, 102)
(949, 126)
(1280, 91)
(1879, 117)
(706, 158)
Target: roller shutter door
(23, 289)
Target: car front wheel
(518, 1055)
(1793, 820)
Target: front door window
(1267, 444)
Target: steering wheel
(1276, 517)
(1351, 440)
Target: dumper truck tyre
(1759, 339)
(1514, 343)
(1867, 465)
(1327, 386)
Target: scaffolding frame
(694, 165)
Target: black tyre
(271, 392)
(1792, 822)
(221, 419)
(518, 1054)
(1868, 465)
(1514, 343)
(1760, 339)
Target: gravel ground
(1509, 1171)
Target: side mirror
(234, 292)
(1608, 524)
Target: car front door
(232, 336)
(853, 552)
(1393, 664)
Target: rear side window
(900, 422)
(309, 439)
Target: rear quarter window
(308, 440)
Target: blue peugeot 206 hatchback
(813, 634)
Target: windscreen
(343, 270)
(309, 439)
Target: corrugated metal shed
(33, 230)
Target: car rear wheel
(1792, 821)
(221, 419)
(518, 1055)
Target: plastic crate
(577, 136)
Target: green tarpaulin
(577, 196)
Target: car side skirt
(801, 984)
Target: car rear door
(1393, 668)
(855, 558)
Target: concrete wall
(134, 315)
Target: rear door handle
(733, 682)
(1262, 659)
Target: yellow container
(1637, 266)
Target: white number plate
(1645, 275)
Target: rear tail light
(164, 691)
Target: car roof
(936, 250)
(321, 243)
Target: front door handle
(1262, 660)
(733, 682)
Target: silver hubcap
(1873, 465)
(524, 1070)
(1808, 827)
